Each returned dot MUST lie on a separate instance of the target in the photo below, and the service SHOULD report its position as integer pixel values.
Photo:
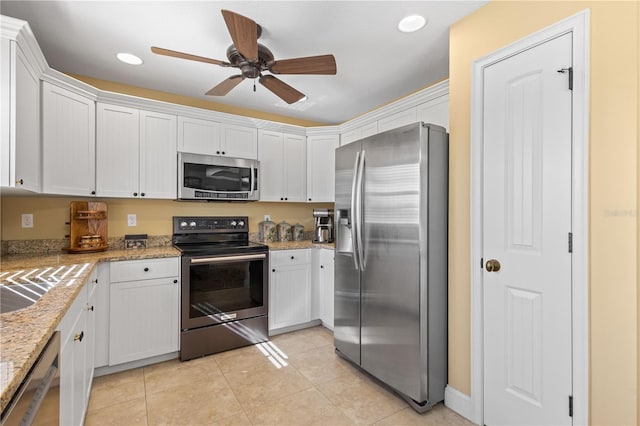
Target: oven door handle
(227, 258)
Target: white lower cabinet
(143, 309)
(77, 351)
(289, 288)
(323, 282)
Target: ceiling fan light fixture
(129, 58)
(411, 23)
(302, 99)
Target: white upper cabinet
(359, 133)
(20, 165)
(282, 166)
(435, 111)
(117, 148)
(213, 138)
(158, 155)
(398, 119)
(136, 154)
(321, 160)
(68, 142)
(239, 142)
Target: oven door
(222, 288)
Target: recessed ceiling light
(129, 58)
(411, 23)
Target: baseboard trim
(459, 402)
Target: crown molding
(20, 32)
(63, 80)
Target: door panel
(391, 293)
(346, 326)
(526, 222)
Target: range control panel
(210, 224)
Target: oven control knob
(233, 224)
(183, 224)
(241, 224)
(192, 224)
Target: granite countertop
(293, 245)
(25, 332)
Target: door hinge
(570, 72)
(570, 242)
(570, 405)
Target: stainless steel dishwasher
(25, 406)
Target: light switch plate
(131, 220)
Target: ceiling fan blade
(281, 89)
(244, 33)
(181, 55)
(226, 86)
(323, 64)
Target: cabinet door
(27, 126)
(435, 111)
(144, 319)
(6, 97)
(321, 160)
(117, 155)
(295, 168)
(289, 296)
(397, 120)
(90, 332)
(68, 142)
(239, 142)
(368, 130)
(199, 136)
(270, 152)
(326, 287)
(158, 155)
(102, 316)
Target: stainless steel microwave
(211, 178)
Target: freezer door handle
(354, 226)
(359, 214)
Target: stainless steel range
(225, 285)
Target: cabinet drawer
(281, 258)
(135, 270)
(69, 321)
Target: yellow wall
(613, 188)
(153, 216)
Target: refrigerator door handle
(359, 215)
(354, 226)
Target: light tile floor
(244, 387)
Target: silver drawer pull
(228, 258)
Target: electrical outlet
(267, 217)
(131, 219)
(27, 220)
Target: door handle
(492, 265)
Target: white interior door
(526, 226)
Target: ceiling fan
(253, 59)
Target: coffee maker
(324, 226)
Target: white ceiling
(376, 63)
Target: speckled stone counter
(293, 245)
(25, 332)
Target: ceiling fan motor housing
(250, 69)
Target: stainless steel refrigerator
(391, 259)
